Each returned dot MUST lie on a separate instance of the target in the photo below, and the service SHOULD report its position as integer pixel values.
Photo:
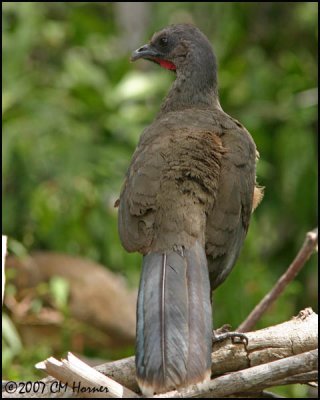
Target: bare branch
(94, 384)
(255, 378)
(266, 346)
(309, 245)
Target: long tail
(174, 321)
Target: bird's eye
(163, 41)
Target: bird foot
(223, 333)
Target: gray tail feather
(174, 321)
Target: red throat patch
(165, 64)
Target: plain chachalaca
(185, 205)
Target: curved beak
(146, 51)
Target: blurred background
(73, 108)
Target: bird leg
(223, 333)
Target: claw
(220, 337)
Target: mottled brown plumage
(185, 205)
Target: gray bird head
(179, 47)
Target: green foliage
(74, 107)
(10, 341)
(59, 289)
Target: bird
(185, 205)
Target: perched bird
(185, 205)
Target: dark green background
(74, 107)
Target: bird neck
(192, 89)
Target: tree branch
(255, 378)
(76, 371)
(309, 245)
(265, 348)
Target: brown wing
(186, 174)
(228, 221)
(171, 183)
(137, 204)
